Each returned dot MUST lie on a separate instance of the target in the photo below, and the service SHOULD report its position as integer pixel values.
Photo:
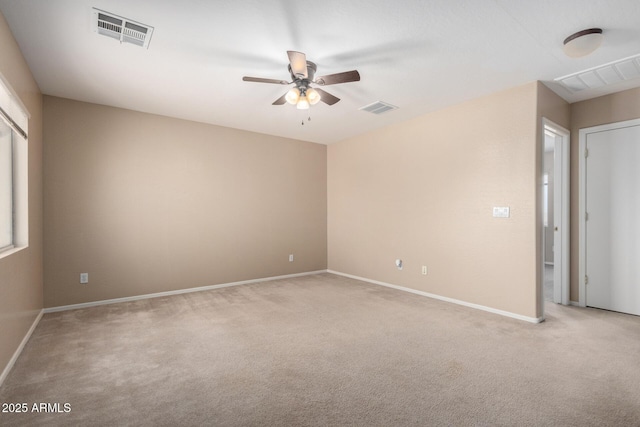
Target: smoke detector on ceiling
(123, 29)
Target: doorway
(609, 211)
(555, 213)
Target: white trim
(176, 292)
(17, 117)
(14, 98)
(11, 251)
(582, 199)
(562, 155)
(574, 303)
(18, 351)
(441, 298)
(582, 209)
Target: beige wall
(613, 108)
(424, 190)
(147, 204)
(21, 273)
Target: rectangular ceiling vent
(608, 74)
(123, 29)
(378, 107)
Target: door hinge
(586, 153)
(586, 280)
(586, 216)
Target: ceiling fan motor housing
(311, 72)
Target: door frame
(582, 199)
(561, 165)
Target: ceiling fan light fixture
(293, 96)
(583, 42)
(313, 96)
(303, 103)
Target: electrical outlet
(424, 270)
(290, 257)
(84, 278)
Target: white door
(612, 220)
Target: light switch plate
(501, 212)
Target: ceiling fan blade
(280, 100)
(261, 80)
(326, 97)
(332, 79)
(298, 61)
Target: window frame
(16, 117)
(7, 200)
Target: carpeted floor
(325, 350)
(548, 283)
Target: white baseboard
(447, 299)
(18, 351)
(176, 292)
(575, 303)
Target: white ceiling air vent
(603, 75)
(122, 29)
(378, 107)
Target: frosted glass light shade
(303, 103)
(583, 42)
(292, 96)
(313, 96)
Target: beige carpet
(326, 350)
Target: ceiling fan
(303, 74)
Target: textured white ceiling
(416, 54)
